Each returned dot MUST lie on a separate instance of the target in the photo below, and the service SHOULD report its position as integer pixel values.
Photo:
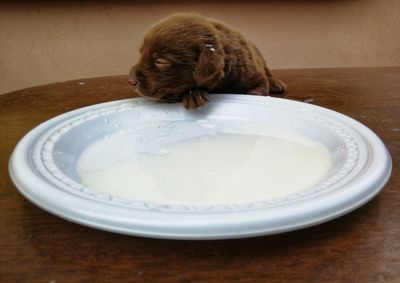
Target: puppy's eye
(162, 64)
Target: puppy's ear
(210, 65)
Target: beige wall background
(45, 42)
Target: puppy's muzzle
(133, 81)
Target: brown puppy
(186, 56)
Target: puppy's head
(178, 54)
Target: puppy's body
(184, 57)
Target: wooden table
(363, 246)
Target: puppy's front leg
(262, 88)
(195, 98)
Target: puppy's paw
(195, 99)
(276, 85)
(258, 90)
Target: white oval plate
(43, 168)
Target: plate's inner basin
(206, 162)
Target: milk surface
(223, 168)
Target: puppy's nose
(133, 81)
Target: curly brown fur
(186, 56)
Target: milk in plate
(224, 168)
